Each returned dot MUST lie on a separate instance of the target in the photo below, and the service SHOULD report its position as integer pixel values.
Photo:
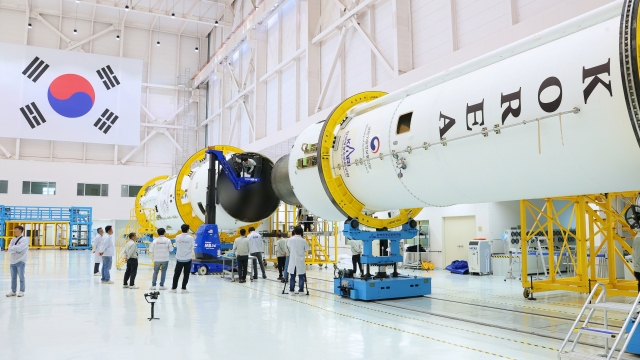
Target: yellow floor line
(432, 323)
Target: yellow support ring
(334, 185)
(140, 214)
(185, 209)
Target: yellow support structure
(601, 234)
(41, 234)
(324, 235)
(141, 230)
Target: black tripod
(154, 298)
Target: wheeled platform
(204, 267)
(401, 286)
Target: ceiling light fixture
(75, 26)
(216, 23)
(126, 7)
(29, 25)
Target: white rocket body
(162, 198)
(593, 151)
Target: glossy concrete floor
(68, 314)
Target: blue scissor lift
(79, 219)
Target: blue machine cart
(380, 286)
(208, 249)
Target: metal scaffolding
(587, 236)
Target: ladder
(600, 304)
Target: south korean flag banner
(62, 95)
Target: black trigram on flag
(108, 78)
(33, 115)
(106, 121)
(35, 69)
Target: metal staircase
(600, 304)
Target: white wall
(67, 176)
(493, 218)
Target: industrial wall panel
(37, 149)
(162, 102)
(65, 150)
(107, 44)
(431, 30)
(357, 57)
(303, 99)
(9, 144)
(288, 96)
(159, 151)
(476, 20)
(188, 56)
(246, 134)
(526, 9)
(136, 45)
(272, 106)
(95, 152)
(41, 35)
(384, 38)
(327, 54)
(13, 26)
(289, 29)
(273, 41)
(163, 59)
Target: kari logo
(71, 95)
(374, 145)
(348, 150)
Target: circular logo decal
(375, 145)
(71, 95)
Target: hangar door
(458, 231)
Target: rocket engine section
(559, 110)
(182, 198)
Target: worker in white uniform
(248, 165)
(95, 242)
(161, 247)
(241, 250)
(281, 253)
(184, 249)
(107, 251)
(19, 252)
(356, 253)
(256, 243)
(298, 247)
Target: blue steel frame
(80, 220)
(238, 182)
(368, 237)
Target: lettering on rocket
(513, 100)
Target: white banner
(60, 95)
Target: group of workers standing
(291, 254)
(161, 248)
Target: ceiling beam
(109, 29)
(147, 11)
(336, 25)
